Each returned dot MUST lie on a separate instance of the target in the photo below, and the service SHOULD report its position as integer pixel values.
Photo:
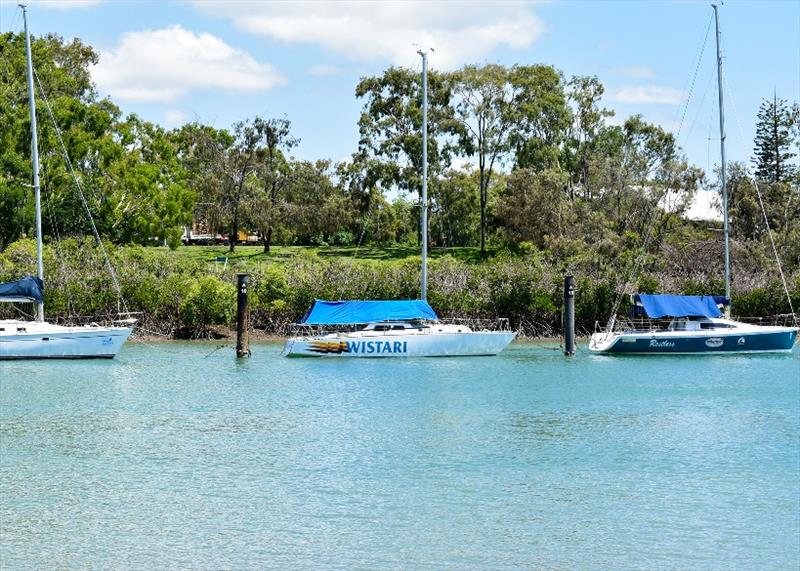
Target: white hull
(42, 340)
(427, 342)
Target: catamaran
(697, 323)
(38, 339)
(405, 328)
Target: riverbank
(183, 295)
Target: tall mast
(424, 205)
(35, 160)
(725, 229)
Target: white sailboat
(39, 339)
(407, 328)
(697, 325)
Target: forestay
(356, 312)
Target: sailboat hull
(775, 339)
(403, 345)
(40, 340)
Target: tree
(152, 200)
(315, 209)
(772, 143)
(587, 126)
(63, 70)
(540, 116)
(273, 173)
(390, 127)
(454, 214)
(225, 166)
(128, 169)
(483, 104)
(533, 206)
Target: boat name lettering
(371, 347)
(656, 343)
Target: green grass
(278, 254)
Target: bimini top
(350, 312)
(27, 289)
(666, 305)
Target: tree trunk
(234, 233)
(483, 209)
(268, 240)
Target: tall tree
(483, 102)
(540, 116)
(274, 173)
(225, 166)
(773, 141)
(390, 128)
(588, 123)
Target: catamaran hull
(431, 345)
(74, 343)
(675, 344)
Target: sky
(219, 62)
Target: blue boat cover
(28, 288)
(349, 312)
(666, 305)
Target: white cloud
(66, 4)
(638, 72)
(324, 70)
(459, 32)
(164, 65)
(174, 118)
(648, 94)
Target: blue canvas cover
(349, 312)
(666, 305)
(28, 288)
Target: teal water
(171, 457)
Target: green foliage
(128, 169)
(208, 301)
(774, 131)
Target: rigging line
(12, 27)
(700, 106)
(120, 298)
(643, 252)
(761, 203)
(694, 78)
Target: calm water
(171, 457)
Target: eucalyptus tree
(483, 101)
(588, 123)
(540, 116)
(390, 128)
(225, 167)
(274, 173)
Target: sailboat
(402, 328)
(39, 339)
(698, 324)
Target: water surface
(177, 456)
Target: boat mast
(725, 228)
(35, 160)
(424, 204)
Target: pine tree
(773, 140)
